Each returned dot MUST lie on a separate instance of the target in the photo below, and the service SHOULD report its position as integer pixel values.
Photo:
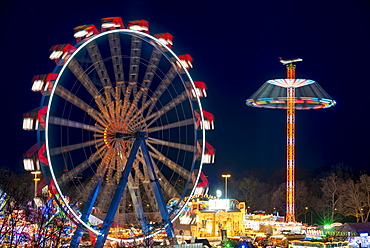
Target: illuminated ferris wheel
(121, 129)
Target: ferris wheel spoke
(69, 123)
(115, 165)
(122, 160)
(184, 147)
(119, 166)
(115, 49)
(69, 148)
(133, 72)
(166, 81)
(99, 65)
(157, 93)
(150, 196)
(105, 196)
(150, 71)
(167, 187)
(70, 97)
(100, 171)
(80, 74)
(126, 100)
(144, 179)
(134, 62)
(169, 163)
(141, 110)
(176, 101)
(148, 77)
(136, 167)
(96, 179)
(68, 176)
(133, 104)
(103, 173)
(182, 123)
(165, 184)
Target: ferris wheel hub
(141, 135)
(123, 135)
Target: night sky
(235, 46)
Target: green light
(327, 226)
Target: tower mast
(290, 145)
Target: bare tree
(365, 187)
(332, 197)
(19, 214)
(354, 199)
(302, 198)
(278, 198)
(357, 198)
(250, 191)
(17, 193)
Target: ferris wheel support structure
(140, 137)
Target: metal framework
(290, 145)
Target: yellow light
(35, 172)
(226, 176)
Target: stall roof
(354, 227)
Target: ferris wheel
(121, 129)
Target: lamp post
(36, 179)
(305, 213)
(226, 176)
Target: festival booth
(358, 233)
(206, 216)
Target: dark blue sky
(235, 46)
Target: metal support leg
(138, 207)
(85, 215)
(157, 191)
(117, 195)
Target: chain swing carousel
(292, 94)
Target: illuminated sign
(215, 204)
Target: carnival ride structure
(291, 94)
(120, 128)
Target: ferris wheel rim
(157, 44)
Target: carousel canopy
(308, 95)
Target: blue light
(309, 98)
(266, 99)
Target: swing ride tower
(300, 94)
